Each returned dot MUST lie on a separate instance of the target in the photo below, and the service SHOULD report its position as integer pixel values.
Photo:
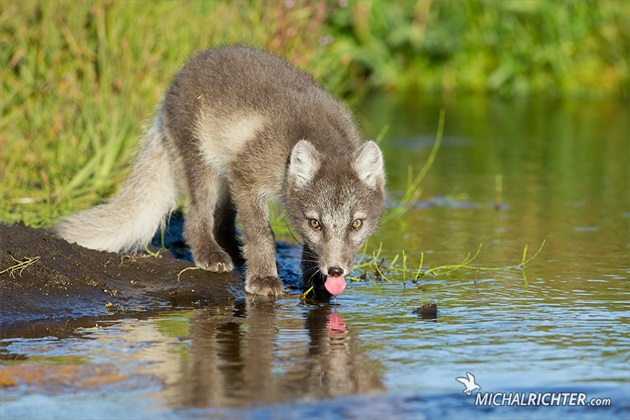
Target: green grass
(79, 79)
(550, 47)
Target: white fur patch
(222, 139)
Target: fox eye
(356, 224)
(315, 224)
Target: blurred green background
(80, 78)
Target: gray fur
(239, 127)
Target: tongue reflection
(335, 284)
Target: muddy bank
(58, 282)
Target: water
(508, 174)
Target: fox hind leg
(225, 231)
(206, 191)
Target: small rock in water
(335, 284)
(427, 311)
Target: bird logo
(469, 383)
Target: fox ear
(303, 164)
(369, 165)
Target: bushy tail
(130, 219)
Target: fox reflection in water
(242, 357)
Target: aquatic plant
(375, 266)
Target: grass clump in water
(374, 266)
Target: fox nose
(335, 271)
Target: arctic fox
(237, 128)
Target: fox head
(334, 203)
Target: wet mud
(49, 284)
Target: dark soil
(68, 284)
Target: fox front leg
(259, 246)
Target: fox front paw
(216, 262)
(265, 286)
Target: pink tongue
(335, 285)
(335, 325)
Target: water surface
(508, 174)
